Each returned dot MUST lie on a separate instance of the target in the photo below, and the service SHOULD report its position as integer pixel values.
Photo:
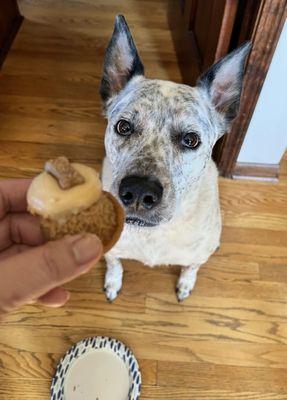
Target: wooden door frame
(11, 29)
(270, 20)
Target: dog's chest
(184, 242)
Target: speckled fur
(188, 217)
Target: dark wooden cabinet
(10, 20)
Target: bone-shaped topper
(66, 175)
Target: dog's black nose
(140, 191)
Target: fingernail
(86, 249)
(61, 303)
(31, 302)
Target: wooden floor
(229, 339)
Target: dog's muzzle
(139, 222)
(140, 195)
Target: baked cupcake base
(105, 218)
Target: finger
(20, 228)
(13, 195)
(13, 250)
(55, 298)
(32, 274)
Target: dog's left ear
(121, 62)
(223, 82)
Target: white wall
(266, 138)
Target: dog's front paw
(113, 278)
(182, 292)
(186, 281)
(112, 288)
(183, 289)
(111, 292)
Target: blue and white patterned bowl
(90, 345)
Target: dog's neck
(196, 193)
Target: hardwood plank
(19, 154)
(251, 204)
(82, 69)
(171, 393)
(222, 281)
(49, 88)
(254, 235)
(78, 12)
(39, 366)
(162, 280)
(53, 131)
(39, 390)
(57, 109)
(218, 308)
(276, 221)
(251, 194)
(240, 378)
(184, 327)
(254, 252)
(10, 389)
(155, 346)
(72, 39)
(273, 291)
(273, 273)
(26, 389)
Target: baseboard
(260, 172)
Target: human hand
(31, 270)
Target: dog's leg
(186, 281)
(114, 277)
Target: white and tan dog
(159, 141)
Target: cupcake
(68, 198)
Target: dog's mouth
(140, 222)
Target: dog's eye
(123, 128)
(191, 140)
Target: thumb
(32, 274)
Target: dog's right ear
(121, 62)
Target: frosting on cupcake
(48, 199)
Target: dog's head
(160, 134)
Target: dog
(158, 164)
